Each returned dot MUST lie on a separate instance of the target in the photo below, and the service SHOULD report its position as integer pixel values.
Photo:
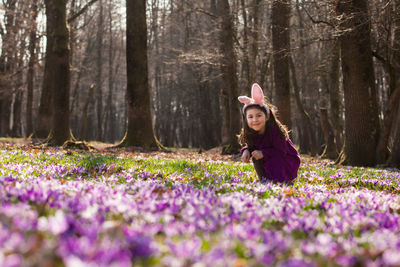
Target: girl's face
(256, 119)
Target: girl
(266, 140)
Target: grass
(198, 172)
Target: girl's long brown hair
(247, 134)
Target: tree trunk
(224, 100)
(393, 69)
(81, 73)
(46, 98)
(394, 62)
(334, 95)
(229, 76)
(110, 122)
(31, 69)
(361, 109)
(213, 6)
(6, 69)
(330, 151)
(281, 50)
(246, 60)
(209, 115)
(382, 151)
(395, 157)
(140, 129)
(16, 130)
(254, 42)
(306, 125)
(99, 78)
(85, 112)
(264, 71)
(57, 60)
(75, 119)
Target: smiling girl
(266, 140)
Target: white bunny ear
(245, 100)
(257, 94)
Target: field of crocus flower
(72, 208)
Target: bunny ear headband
(257, 98)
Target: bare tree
(16, 130)
(281, 46)
(99, 76)
(245, 45)
(6, 65)
(139, 131)
(334, 95)
(31, 67)
(110, 123)
(308, 145)
(57, 63)
(229, 77)
(390, 58)
(395, 157)
(361, 110)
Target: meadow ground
(123, 208)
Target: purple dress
(281, 160)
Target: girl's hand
(257, 154)
(246, 156)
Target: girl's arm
(246, 156)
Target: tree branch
(318, 21)
(206, 12)
(80, 12)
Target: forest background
(84, 69)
